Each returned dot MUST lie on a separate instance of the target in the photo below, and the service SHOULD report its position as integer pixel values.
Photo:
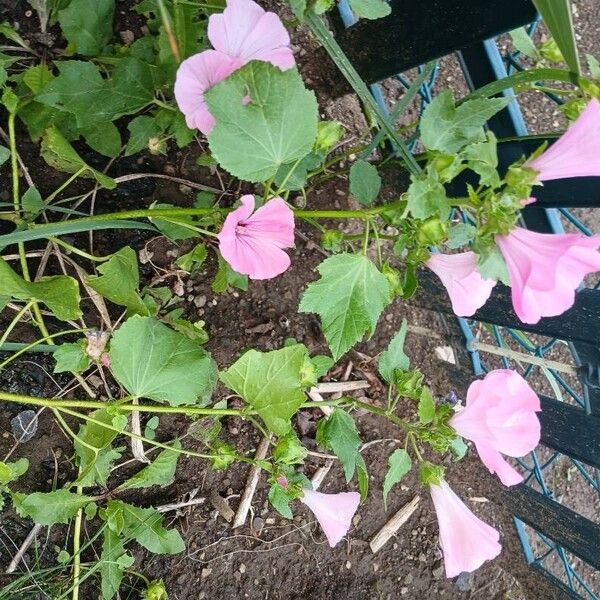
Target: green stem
(337, 54)
(14, 322)
(61, 403)
(77, 549)
(517, 79)
(66, 184)
(77, 251)
(28, 347)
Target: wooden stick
(177, 505)
(332, 387)
(320, 474)
(14, 563)
(251, 483)
(316, 397)
(392, 526)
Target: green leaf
(104, 138)
(270, 382)
(88, 24)
(277, 126)
(59, 153)
(141, 129)
(426, 408)
(226, 276)
(289, 450)
(70, 358)
(482, 158)
(491, 264)
(349, 298)
(427, 196)
(119, 281)
(394, 357)
(338, 432)
(362, 475)
(161, 471)
(430, 474)
(81, 90)
(145, 526)
(152, 361)
(36, 77)
(370, 9)
(523, 43)
(280, 500)
(50, 507)
(460, 235)
(365, 182)
(322, 365)
(12, 471)
(60, 293)
(93, 449)
(399, 465)
(4, 154)
(558, 18)
(594, 66)
(448, 129)
(111, 568)
(32, 202)
(193, 260)
(458, 448)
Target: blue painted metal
(541, 553)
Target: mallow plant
(229, 79)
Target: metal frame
(570, 428)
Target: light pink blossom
(500, 418)
(241, 33)
(467, 289)
(196, 75)
(253, 243)
(546, 269)
(576, 153)
(333, 511)
(466, 541)
(245, 31)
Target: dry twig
(392, 526)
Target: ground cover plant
(225, 76)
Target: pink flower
(466, 541)
(467, 289)
(545, 270)
(241, 33)
(499, 418)
(196, 75)
(245, 31)
(333, 511)
(577, 152)
(252, 243)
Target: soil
(270, 557)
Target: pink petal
(333, 511)
(577, 152)
(467, 289)
(500, 418)
(546, 269)
(466, 541)
(275, 221)
(252, 243)
(195, 75)
(245, 31)
(495, 463)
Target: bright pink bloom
(577, 152)
(196, 75)
(467, 289)
(245, 31)
(333, 511)
(241, 33)
(499, 418)
(545, 270)
(252, 243)
(466, 541)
